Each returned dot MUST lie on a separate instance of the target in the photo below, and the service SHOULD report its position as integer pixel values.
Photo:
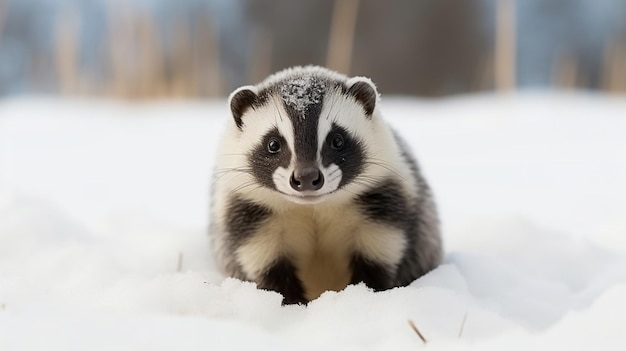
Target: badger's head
(305, 132)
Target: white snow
(104, 210)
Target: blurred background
(149, 49)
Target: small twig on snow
(414, 327)
(462, 325)
(179, 267)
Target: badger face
(304, 132)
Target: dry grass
(417, 331)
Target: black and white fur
(313, 191)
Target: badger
(313, 191)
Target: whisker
(333, 172)
(275, 117)
(243, 186)
(386, 166)
(223, 172)
(336, 113)
(364, 183)
(278, 112)
(330, 112)
(234, 170)
(257, 187)
(333, 179)
(372, 177)
(380, 162)
(233, 155)
(348, 191)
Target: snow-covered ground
(103, 232)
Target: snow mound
(104, 245)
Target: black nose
(306, 178)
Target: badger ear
(240, 100)
(364, 91)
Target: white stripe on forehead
(262, 119)
(282, 121)
(345, 112)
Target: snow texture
(301, 92)
(104, 245)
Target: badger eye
(337, 142)
(273, 146)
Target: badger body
(313, 191)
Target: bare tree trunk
(208, 58)
(342, 35)
(4, 9)
(151, 67)
(261, 61)
(118, 43)
(66, 52)
(484, 73)
(505, 46)
(614, 71)
(566, 71)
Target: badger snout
(306, 178)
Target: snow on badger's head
(306, 132)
